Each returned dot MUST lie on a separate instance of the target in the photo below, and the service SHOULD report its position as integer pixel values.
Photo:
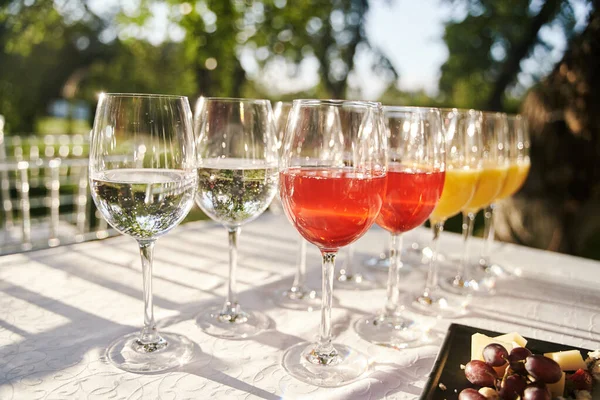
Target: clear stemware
(142, 178)
(332, 169)
(237, 179)
(462, 132)
(518, 169)
(494, 164)
(299, 296)
(350, 276)
(416, 170)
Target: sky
(408, 32)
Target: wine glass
(143, 179)
(281, 111)
(462, 132)
(494, 163)
(299, 296)
(416, 170)
(237, 179)
(350, 277)
(518, 169)
(332, 169)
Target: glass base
(482, 286)
(300, 298)
(129, 354)
(242, 325)
(500, 271)
(382, 264)
(394, 331)
(437, 304)
(379, 263)
(355, 282)
(346, 367)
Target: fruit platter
(477, 364)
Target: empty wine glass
(518, 169)
(237, 179)
(143, 179)
(350, 277)
(494, 156)
(281, 111)
(332, 170)
(415, 179)
(462, 132)
(299, 296)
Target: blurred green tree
(228, 40)
(39, 54)
(488, 43)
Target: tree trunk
(560, 203)
(512, 64)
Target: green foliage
(140, 67)
(480, 44)
(222, 33)
(60, 49)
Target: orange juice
(459, 188)
(490, 183)
(517, 173)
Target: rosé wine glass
(333, 177)
(415, 179)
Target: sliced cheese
(479, 341)
(569, 360)
(557, 389)
(513, 337)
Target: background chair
(45, 192)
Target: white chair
(45, 198)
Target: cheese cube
(569, 360)
(479, 341)
(513, 337)
(557, 389)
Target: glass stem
(300, 277)
(231, 307)
(393, 291)
(324, 353)
(432, 274)
(467, 229)
(149, 333)
(348, 270)
(488, 236)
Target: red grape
(537, 391)
(512, 387)
(480, 373)
(495, 354)
(517, 357)
(582, 380)
(470, 394)
(543, 369)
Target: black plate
(456, 350)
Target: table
(61, 307)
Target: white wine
(144, 203)
(235, 191)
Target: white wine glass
(143, 179)
(237, 179)
(332, 199)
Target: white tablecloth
(60, 308)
